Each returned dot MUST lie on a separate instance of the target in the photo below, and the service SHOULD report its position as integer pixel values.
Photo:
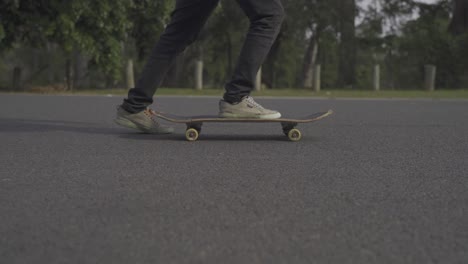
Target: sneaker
(247, 108)
(144, 121)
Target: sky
(366, 2)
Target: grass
(439, 94)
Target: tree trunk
(347, 49)
(317, 77)
(69, 74)
(80, 65)
(16, 84)
(50, 71)
(269, 71)
(310, 60)
(459, 23)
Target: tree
(22, 22)
(459, 23)
(104, 34)
(94, 27)
(148, 19)
(314, 17)
(347, 52)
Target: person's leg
(266, 17)
(187, 19)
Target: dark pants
(187, 20)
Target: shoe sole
(126, 123)
(270, 116)
(129, 124)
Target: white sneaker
(247, 108)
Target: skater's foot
(246, 108)
(144, 121)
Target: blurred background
(324, 44)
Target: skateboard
(194, 123)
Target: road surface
(380, 181)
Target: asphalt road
(380, 181)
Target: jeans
(187, 20)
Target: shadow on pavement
(40, 126)
(34, 126)
(216, 138)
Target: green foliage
(2, 32)
(328, 58)
(400, 35)
(427, 41)
(94, 27)
(148, 18)
(97, 27)
(220, 42)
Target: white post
(130, 75)
(430, 77)
(377, 77)
(258, 80)
(199, 75)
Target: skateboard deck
(194, 123)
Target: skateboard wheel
(191, 134)
(294, 134)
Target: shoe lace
(252, 101)
(151, 114)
